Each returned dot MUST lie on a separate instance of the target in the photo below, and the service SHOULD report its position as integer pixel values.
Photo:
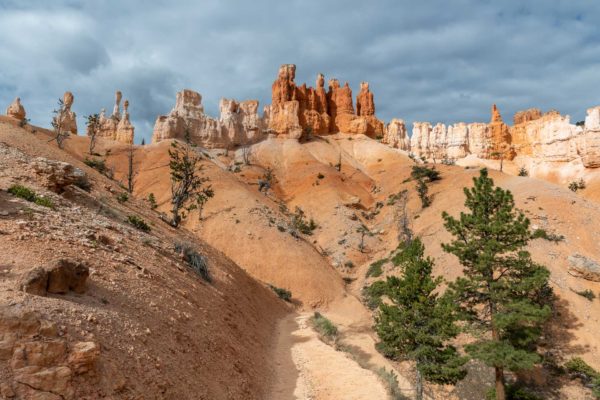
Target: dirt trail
(309, 369)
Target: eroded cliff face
(117, 126)
(239, 123)
(298, 111)
(535, 139)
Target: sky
(429, 60)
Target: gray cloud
(434, 60)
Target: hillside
(147, 326)
(340, 181)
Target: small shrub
(99, 165)
(375, 269)
(138, 223)
(421, 172)
(320, 176)
(44, 202)
(194, 259)
(300, 224)
(574, 186)
(390, 381)
(523, 172)
(22, 192)
(588, 294)
(326, 329)
(29, 195)
(122, 197)
(423, 191)
(283, 294)
(577, 366)
(542, 234)
(152, 201)
(349, 264)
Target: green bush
(122, 197)
(22, 192)
(523, 172)
(422, 172)
(326, 329)
(283, 294)
(542, 234)
(587, 374)
(588, 294)
(152, 201)
(375, 269)
(390, 380)
(29, 195)
(99, 165)
(44, 202)
(138, 223)
(577, 185)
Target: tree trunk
(500, 391)
(419, 386)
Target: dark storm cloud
(434, 60)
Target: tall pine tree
(503, 294)
(417, 323)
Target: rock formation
(395, 135)
(546, 140)
(117, 127)
(297, 111)
(16, 110)
(68, 119)
(238, 125)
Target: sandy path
(310, 369)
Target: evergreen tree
(503, 294)
(418, 322)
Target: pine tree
(503, 294)
(418, 322)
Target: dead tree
(131, 173)
(93, 128)
(60, 135)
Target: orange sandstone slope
(147, 326)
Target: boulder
(65, 275)
(83, 356)
(16, 110)
(35, 281)
(56, 175)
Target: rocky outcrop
(16, 110)
(238, 125)
(459, 140)
(56, 175)
(527, 115)
(59, 278)
(67, 119)
(298, 111)
(590, 141)
(39, 362)
(583, 267)
(118, 126)
(395, 135)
